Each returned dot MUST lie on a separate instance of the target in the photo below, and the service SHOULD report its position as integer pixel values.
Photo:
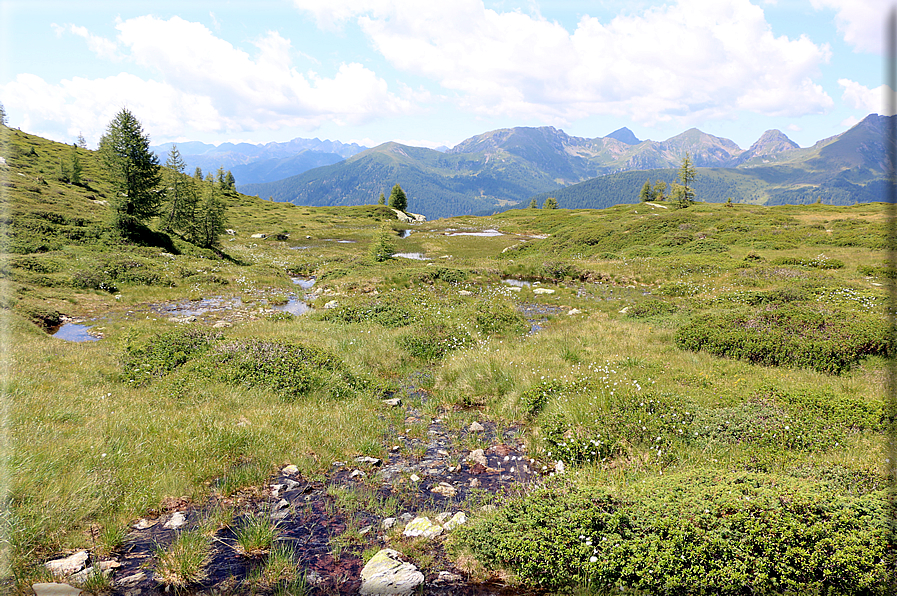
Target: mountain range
(260, 163)
(505, 168)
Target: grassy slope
(90, 447)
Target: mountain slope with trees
(505, 168)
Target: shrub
(534, 399)
(826, 341)
(389, 313)
(291, 369)
(499, 318)
(165, 352)
(92, 279)
(432, 341)
(650, 308)
(433, 274)
(701, 531)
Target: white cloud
(102, 47)
(860, 97)
(849, 122)
(794, 128)
(693, 60)
(861, 22)
(206, 84)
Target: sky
(433, 73)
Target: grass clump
(255, 536)
(828, 341)
(388, 313)
(696, 532)
(499, 318)
(183, 563)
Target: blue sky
(435, 73)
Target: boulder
(386, 574)
(422, 526)
(476, 427)
(445, 489)
(177, 520)
(478, 456)
(543, 291)
(54, 589)
(459, 519)
(69, 565)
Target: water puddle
(484, 234)
(298, 248)
(417, 256)
(404, 233)
(294, 306)
(537, 315)
(195, 308)
(306, 283)
(74, 332)
(518, 283)
(340, 241)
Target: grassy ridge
(100, 433)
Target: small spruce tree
(646, 194)
(382, 199)
(398, 199)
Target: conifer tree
(533, 204)
(77, 170)
(382, 199)
(687, 174)
(197, 174)
(209, 219)
(3, 119)
(81, 142)
(660, 189)
(646, 194)
(397, 198)
(550, 203)
(133, 169)
(180, 194)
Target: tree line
(193, 207)
(682, 192)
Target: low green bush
(433, 341)
(534, 399)
(164, 353)
(699, 532)
(431, 275)
(388, 313)
(829, 341)
(650, 308)
(499, 318)
(293, 370)
(820, 262)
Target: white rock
(465, 293)
(623, 311)
(331, 304)
(222, 325)
(574, 311)
(364, 459)
(386, 574)
(422, 526)
(290, 470)
(357, 474)
(131, 579)
(445, 489)
(458, 519)
(143, 524)
(476, 427)
(259, 236)
(406, 517)
(230, 232)
(53, 589)
(388, 523)
(543, 291)
(394, 402)
(414, 478)
(559, 467)
(69, 565)
(514, 288)
(177, 520)
(478, 456)
(443, 516)
(446, 577)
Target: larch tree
(134, 171)
(180, 194)
(684, 191)
(550, 203)
(209, 219)
(646, 194)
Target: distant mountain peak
(624, 135)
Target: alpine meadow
(212, 393)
